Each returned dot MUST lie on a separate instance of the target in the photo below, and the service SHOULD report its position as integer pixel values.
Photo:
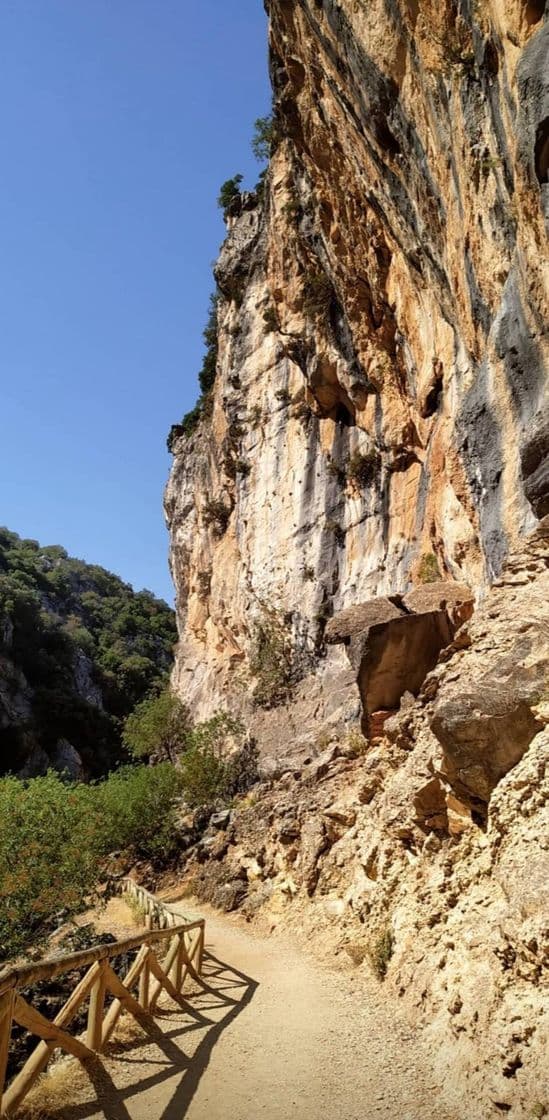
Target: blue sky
(119, 120)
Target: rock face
(378, 413)
(425, 859)
(373, 460)
(487, 716)
(393, 643)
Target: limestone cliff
(377, 416)
(371, 464)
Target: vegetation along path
(278, 1036)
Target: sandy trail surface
(273, 1034)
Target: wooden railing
(147, 973)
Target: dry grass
(138, 911)
(54, 1091)
(65, 1079)
(357, 951)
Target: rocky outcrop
(394, 643)
(486, 716)
(433, 872)
(378, 413)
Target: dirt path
(277, 1036)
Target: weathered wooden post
(6, 1018)
(94, 1034)
(145, 984)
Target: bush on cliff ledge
(206, 379)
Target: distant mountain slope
(78, 649)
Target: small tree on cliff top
(228, 190)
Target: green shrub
(49, 855)
(138, 810)
(265, 138)
(157, 726)
(381, 951)
(207, 772)
(216, 513)
(270, 661)
(54, 836)
(228, 191)
(206, 379)
(317, 292)
(362, 468)
(428, 571)
(260, 185)
(337, 471)
(356, 744)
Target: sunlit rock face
(378, 412)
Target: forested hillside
(78, 649)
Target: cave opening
(343, 416)
(541, 151)
(534, 10)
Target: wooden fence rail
(147, 974)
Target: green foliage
(337, 471)
(317, 292)
(362, 468)
(216, 513)
(428, 571)
(137, 806)
(54, 837)
(356, 744)
(270, 661)
(228, 190)
(157, 726)
(48, 855)
(265, 138)
(206, 379)
(207, 773)
(61, 618)
(260, 185)
(381, 951)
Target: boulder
(486, 716)
(220, 819)
(394, 642)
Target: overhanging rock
(393, 642)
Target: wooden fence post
(144, 985)
(200, 950)
(6, 1017)
(94, 1032)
